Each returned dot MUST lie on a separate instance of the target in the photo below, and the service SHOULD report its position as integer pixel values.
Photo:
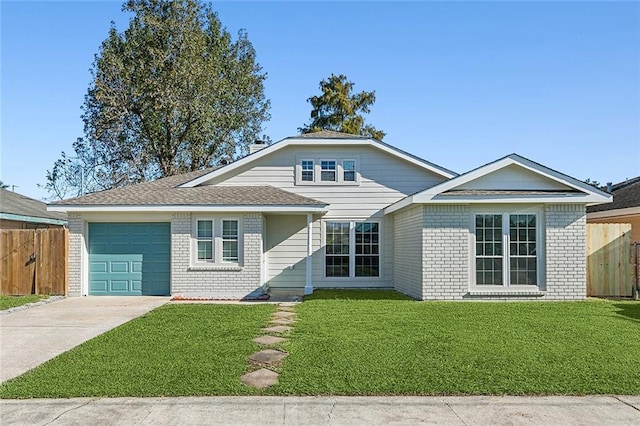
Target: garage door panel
(98, 267)
(121, 286)
(98, 286)
(129, 258)
(119, 267)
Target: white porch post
(308, 286)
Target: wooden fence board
(609, 265)
(33, 261)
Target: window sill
(506, 292)
(327, 183)
(215, 267)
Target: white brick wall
(76, 247)
(227, 283)
(407, 256)
(566, 252)
(445, 246)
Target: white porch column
(308, 286)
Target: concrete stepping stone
(288, 305)
(283, 314)
(268, 356)
(260, 379)
(281, 321)
(277, 329)
(269, 340)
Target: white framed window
(507, 248)
(205, 241)
(306, 171)
(352, 249)
(328, 170)
(229, 240)
(349, 170)
(216, 240)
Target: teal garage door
(129, 259)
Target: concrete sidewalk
(481, 410)
(33, 336)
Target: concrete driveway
(33, 336)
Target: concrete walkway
(588, 410)
(32, 336)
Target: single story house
(21, 212)
(333, 210)
(625, 207)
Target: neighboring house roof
(166, 195)
(626, 195)
(560, 188)
(14, 206)
(325, 138)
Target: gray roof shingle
(329, 134)
(625, 194)
(485, 192)
(165, 192)
(18, 204)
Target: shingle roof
(329, 134)
(484, 192)
(625, 194)
(164, 192)
(17, 204)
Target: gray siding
(384, 179)
(286, 250)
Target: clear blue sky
(457, 83)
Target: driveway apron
(32, 336)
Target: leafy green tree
(340, 110)
(172, 93)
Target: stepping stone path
(260, 379)
(277, 329)
(269, 340)
(267, 358)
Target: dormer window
(328, 170)
(349, 170)
(307, 170)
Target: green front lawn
(173, 350)
(351, 343)
(7, 302)
(359, 343)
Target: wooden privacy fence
(610, 261)
(34, 261)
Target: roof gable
(324, 138)
(511, 179)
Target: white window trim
(355, 170)
(317, 171)
(335, 171)
(221, 259)
(299, 171)
(217, 263)
(540, 249)
(198, 239)
(352, 250)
